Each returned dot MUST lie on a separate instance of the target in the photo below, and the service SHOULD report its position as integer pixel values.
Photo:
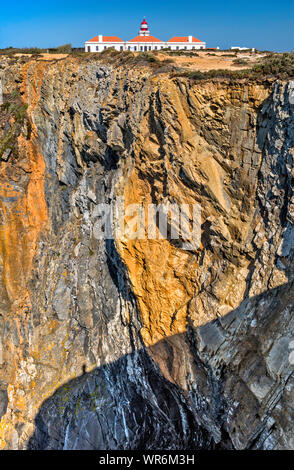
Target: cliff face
(126, 344)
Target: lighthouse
(144, 30)
(143, 42)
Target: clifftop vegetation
(200, 65)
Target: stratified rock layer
(140, 344)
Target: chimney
(100, 38)
(190, 38)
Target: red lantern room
(144, 30)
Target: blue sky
(266, 25)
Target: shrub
(240, 62)
(192, 53)
(25, 50)
(64, 49)
(146, 57)
(277, 65)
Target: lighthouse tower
(144, 30)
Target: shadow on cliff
(169, 396)
(123, 405)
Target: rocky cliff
(131, 343)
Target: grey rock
(62, 300)
(3, 399)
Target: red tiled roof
(183, 39)
(106, 39)
(145, 39)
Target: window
(155, 48)
(89, 48)
(185, 47)
(97, 48)
(105, 47)
(141, 48)
(121, 48)
(135, 48)
(129, 48)
(177, 48)
(150, 48)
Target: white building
(186, 42)
(237, 48)
(143, 42)
(99, 43)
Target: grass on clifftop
(272, 65)
(10, 51)
(277, 66)
(266, 65)
(129, 58)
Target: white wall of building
(143, 47)
(186, 46)
(101, 46)
(237, 48)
